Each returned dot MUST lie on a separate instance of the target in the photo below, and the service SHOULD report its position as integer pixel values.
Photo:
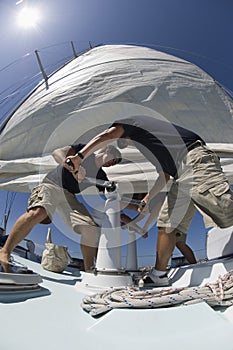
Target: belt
(189, 148)
(195, 144)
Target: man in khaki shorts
(154, 208)
(57, 192)
(182, 156)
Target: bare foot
(6, 267)
(3, 257)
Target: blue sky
(199, 31)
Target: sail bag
(55, 257)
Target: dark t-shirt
(161, 142)
(63, 178)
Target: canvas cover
(104, 84)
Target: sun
(29, 17)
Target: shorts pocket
(220, 189)
(35, 196)
(216, 190)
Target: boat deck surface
(52, 318)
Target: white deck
(54, 319)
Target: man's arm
(130, 223)
(154, 212)
(160, 183)
(156, 189)
(99, 141)
(60, 154)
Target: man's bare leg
(89, 245)
(187, 252)
(20, 230)
(165, 246)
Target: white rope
(219, 293)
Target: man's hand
(143, 208)
(80, 175)
(72, 163)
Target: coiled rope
(219, 293)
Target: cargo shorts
(52, 197)
(201, 184)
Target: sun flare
(29, 17)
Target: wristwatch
(80, 155)
(142, 204)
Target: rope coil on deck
(219, 293)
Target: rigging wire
(13, 95)
(10, 197)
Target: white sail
(102, 85)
